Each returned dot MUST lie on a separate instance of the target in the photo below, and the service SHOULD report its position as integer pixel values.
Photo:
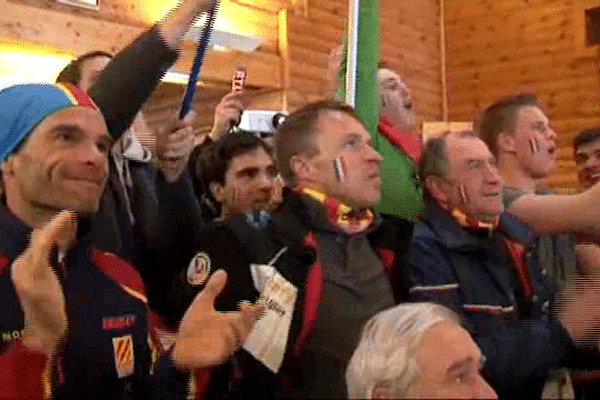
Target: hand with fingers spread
(228, 113)
(37, 285)
(175, 142)
(207, 337)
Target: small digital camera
(264, 123)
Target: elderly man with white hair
(416, 351)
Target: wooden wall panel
(500, 47)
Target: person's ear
(218, 191)
(300, 167)
(437, 188)
(7, 166)
(506, 143)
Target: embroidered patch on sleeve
(123, 350)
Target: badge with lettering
(118, 323)
(199, 269)
(267, 341)
(123, 350)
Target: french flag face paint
(462, 192)
(534, 146)
(339, 169)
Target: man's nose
(483, 390)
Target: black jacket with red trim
(233, 247)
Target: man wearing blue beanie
(74, 320)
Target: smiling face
(61, 166)
(587, 159)
(473, 183)
(450, 365)
(346, 166)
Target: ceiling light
(90, 4)
(220, 39)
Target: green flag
(366, 99)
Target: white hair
(384, 357)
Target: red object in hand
(239, 79)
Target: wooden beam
(284, 51)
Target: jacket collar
(453, 236)
(14, 233)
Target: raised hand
(175, 142)
(177, 22)
(37, 285)
(228, 112)
(207, 337)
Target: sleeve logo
(199, 269)
(123, 351)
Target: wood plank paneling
(500, 47)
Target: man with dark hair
(75, 72)
(586, 151)
(128, 217)
(324, 261)
(469, 255)
(238, 173)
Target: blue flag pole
(190, 91)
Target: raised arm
(560, 213)
(133, 74)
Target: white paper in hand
(268, 340)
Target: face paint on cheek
(534, 146)
(233, 197)
(339, 169)
(383, 100)
(462, 192)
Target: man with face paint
(519, 134)
(400, 145)
(397, 140)
(469, 255)
(334, 261)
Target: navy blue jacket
(108, 322)
(474, 275)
